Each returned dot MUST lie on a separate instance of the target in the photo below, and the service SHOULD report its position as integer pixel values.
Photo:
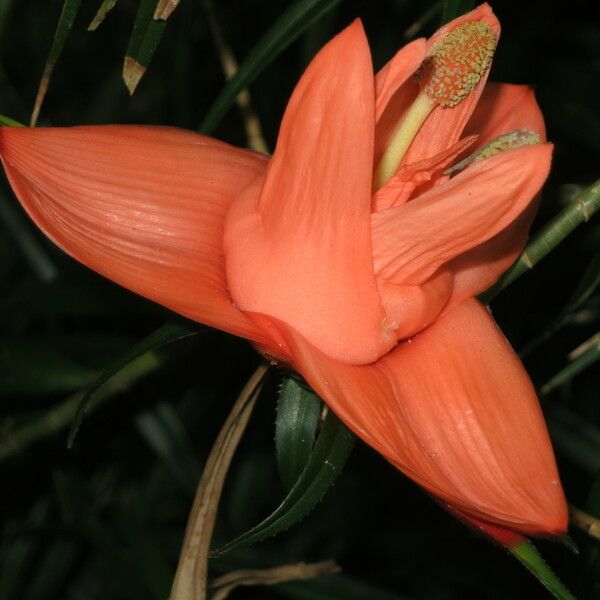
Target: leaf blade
(168, 333)
(103, 10)
(287, 28)
(331, 451)
(145, 37)
(295, 427)
(580, 361)
(581, 210)
(65, 24)
(526, 553)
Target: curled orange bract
(354, 253)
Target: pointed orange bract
(367, 292)
(302, 254)
(143, 206)
(454, 409)
(502, 108)
(412, 241)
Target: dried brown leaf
(100, 15)
(294, 572)
(164, 9)
(585, 521)
(190, 578)
(41, 93)
(133, 72)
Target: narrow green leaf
(29, 367)
(586, 287)
(165, 433)
(580, 360)
(428, 15)
(143, 42)
(577, 438)
(26, 240)
(51, 572)
(168, 333)
(298, 17)
(4, 120)
(5, 8)
(331, 451)
(16, 439)
(527, 554)
(65, 23)
(103, 10)
(456, 8)
(16, 564)
(297, 417)
(552, 234)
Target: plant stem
(584, 205)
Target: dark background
(106, 519)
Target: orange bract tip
(457, 63)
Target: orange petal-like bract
(454, 409)
(364, 284)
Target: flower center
(447, 76)
(506, 141)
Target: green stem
(527, 554)
(585, 204)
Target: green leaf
(296, 19)
(456, 8)
(52, 570)
(576, 437)
(551, 235)
(165, 433)
(592, 504)
(65, 24)
(4, 120)
(297, 417)
(144, 40)
(168, 333)
(583, 292)
(527, 554)
(429, 13)
(15, 439)
(18, 553)
(103, 10)
(29, 367)
(331, 451)
(581, 358)
(67, 296)
(22, 233)
(587, 285)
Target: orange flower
(353, 254)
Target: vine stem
(579, 211)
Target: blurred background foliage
(106, 518)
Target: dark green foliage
(323, 467)
(298, 411)
(105, 520)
